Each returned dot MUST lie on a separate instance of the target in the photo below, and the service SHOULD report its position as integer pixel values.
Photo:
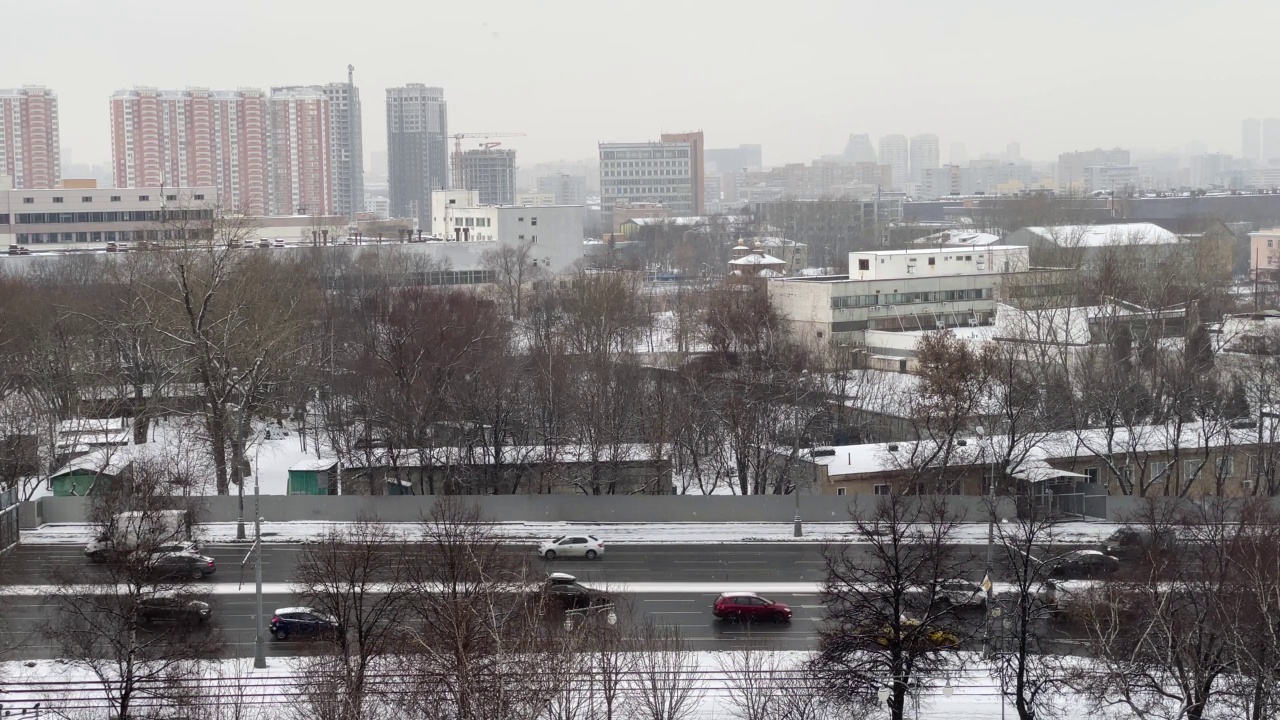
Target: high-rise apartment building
(346, 146)
(1251, 140)
(567, 189)
(417, 149)
(193, 138)
(492, 173)
(301, 180)
(652, 172)
(1071, 165)
(896, 153)
(859, 149)
(1271, 140)
(29, 146)
(697, 165)
(748, 158)
(925, 155)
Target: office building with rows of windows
(70, 217)
(651, 172)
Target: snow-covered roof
(773, 242)
(1106, 235)
(758, 259)
(313, 465)
(92, 425)
(1037, 449)
(692, 220)
(104, 461)
(767, 273)
(526, 454)
(959, 237)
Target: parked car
(563, 594)
(175, 609)
(181, 565)
(1083, 564)
(587, 546)
(749, 607)
(303, 622)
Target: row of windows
(104, 236)
(649, 181)
(629, 192)
(650, 173)
(851, 301)
(645, 154)
(1159, 471)
(108, 217)
(649, 164)
(113, 198)
(439, 277)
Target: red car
(749, 607)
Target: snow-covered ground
(58, 687)
(1084, 533)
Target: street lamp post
(259, 652)
(991, 542)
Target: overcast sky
(797, 76)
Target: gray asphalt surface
(690, 612)
(757, 562)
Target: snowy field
(1082, 533)
(61, 688)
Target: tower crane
(457, 150)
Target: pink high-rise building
(29, 148)
(301, 173)
(194, 138)
(266, 155)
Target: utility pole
(259, 652)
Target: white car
(587, 546)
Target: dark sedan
(177, 610)
(181, 565)
(1084, 564)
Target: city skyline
(1005, 99)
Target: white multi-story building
(898, 291)
(378, 206)
(538, 199)
(465, 230)
(568, 189)
(80, 218)
(925, 155)
(895, 151)
(1111, 178)
(652, 172)
(29, 145)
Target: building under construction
(492, 173)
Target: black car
(181, 565)
(564, 594)
(1139, 543)
(303, 622)
(1085, 564)
(177, 610)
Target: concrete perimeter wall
(527, 508)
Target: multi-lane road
(671, 584)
